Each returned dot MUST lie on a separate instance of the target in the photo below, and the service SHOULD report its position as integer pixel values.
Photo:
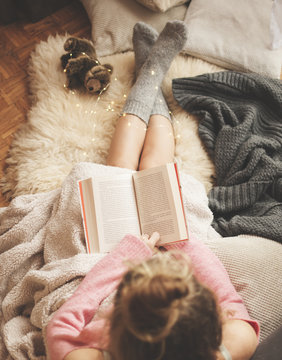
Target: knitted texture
(143, 93)
(144, 37)
(240, 123)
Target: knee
(122, 163)
(147, 162)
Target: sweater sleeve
(71, 326)
(209, 270)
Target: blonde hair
(162, 312)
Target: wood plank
(3, 102)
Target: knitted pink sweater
(73, 327)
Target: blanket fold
(240, 124)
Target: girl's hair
(162, 312)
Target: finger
(144, 237)
(155, 237)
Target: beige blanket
(43, 259)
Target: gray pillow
(234, 34)
(112, 22)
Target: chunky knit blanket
(240, 123)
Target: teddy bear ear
(70, 43)
(109, 67)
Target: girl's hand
(152, 240)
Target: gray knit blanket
(240, 124)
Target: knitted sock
(143, 93)
(144, 37)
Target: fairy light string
(111, 107)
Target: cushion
(161, 5)
(276, 24)
(254, 267)
(112, 22)
(234, 34)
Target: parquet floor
(17, 41)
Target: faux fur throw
(64, 128)
(43, 259)
(240, 119)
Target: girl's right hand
(152, 240)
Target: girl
(165, 306)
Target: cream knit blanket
(43, 259)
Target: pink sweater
(72, 326)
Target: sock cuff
(161, 109)
(137, 108)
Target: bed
(67, 138)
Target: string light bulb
(110, 107)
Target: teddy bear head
(97, 78)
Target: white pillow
(234, 34)
(161, 5)
(113, 21)
(276, 24)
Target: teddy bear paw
(72, 67)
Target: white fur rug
(65, 128)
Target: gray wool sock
(144, 37)
(142, 96)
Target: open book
(136, 203)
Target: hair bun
(152, 303)
(164, 290)
(161, 312)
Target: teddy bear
(83, 69)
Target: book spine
(82, 204)
(181, 198)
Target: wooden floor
(17, 41)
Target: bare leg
(127, 142)
(159, 143)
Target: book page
(157, 203)
(88, 215)
(116, 209)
